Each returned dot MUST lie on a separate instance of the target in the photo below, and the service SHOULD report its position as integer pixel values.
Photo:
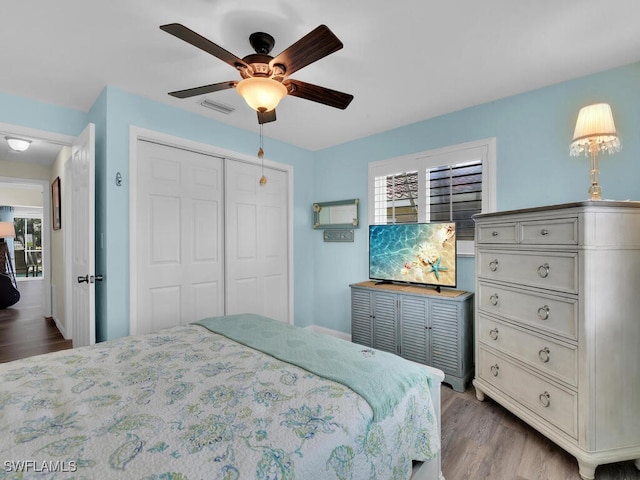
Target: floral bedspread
(187, 404)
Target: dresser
(557, 324)
(417, 323)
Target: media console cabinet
(558, 324)
(417, 323)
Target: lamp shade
(18, 144)
(595, 127)
(261, 94)
(7, 230)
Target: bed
(233, 397)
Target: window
(28, 233)
(448, 184)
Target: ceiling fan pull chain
(263, 179)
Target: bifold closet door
(179, 255)
(256, 279)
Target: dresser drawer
(544, 312)
(550, 270)
(549, 356)
(497, 234)
(562, 231)
(553, 404)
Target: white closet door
(257, 279)
(179, 255)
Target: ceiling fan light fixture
(18, 144)
(260, 93)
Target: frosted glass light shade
(7, 230)
(18, 144)
(595, 129)
(261, 94)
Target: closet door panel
(179, 237)
(256, 239)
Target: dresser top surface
(416, 289)
(599, 204)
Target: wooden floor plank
(24, 330)
(483, 440)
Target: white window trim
(433, 158)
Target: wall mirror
(340, 214)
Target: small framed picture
(55, 204)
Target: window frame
(421, 161)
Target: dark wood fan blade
(214, 87)
(197, 40)
(318, 94)
(313, 46)
(266, 117)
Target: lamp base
(595, 192)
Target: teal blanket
(381, 378)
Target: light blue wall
(42, 116)
(533, 132)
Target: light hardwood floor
(482, 440)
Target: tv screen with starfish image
(417, 253)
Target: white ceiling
(404, 61)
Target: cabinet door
(445, 337)
(361, 317)
(385, 331)
(413, 329)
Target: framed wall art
(56, 219)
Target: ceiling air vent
(218, 107)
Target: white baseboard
(328, 331)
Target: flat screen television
(416, 253)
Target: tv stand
(420, 324)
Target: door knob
(90, 279)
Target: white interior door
(83, 230)
(257, 278)
(179, 225)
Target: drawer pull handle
(543, 312)
(543, 270)
(545, 399)
(494, 299)
(544, 232)
(495, 370)
(545, 354)
(494, 233)
(493, 334)
(493, 265)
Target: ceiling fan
(265, 79)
